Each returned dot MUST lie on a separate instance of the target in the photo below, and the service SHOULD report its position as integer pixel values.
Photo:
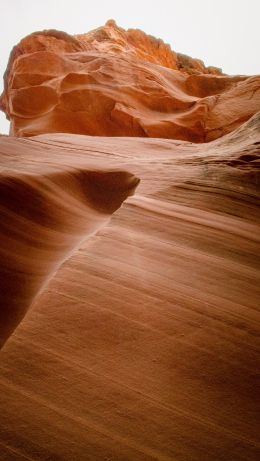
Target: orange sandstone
(145, 338)
(141, 343)
(112, 82)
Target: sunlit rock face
(112, 82)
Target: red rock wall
(112, 82)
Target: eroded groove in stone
(45, 214)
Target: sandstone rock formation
(140, 343)
(112, 82)
(145, 338)
(46, 212)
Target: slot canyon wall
(129, 257)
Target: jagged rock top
(116, 82)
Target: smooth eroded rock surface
(143, 345)
(139, 341)
(112, 82)
(46, 211)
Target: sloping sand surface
(143, 345)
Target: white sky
(223, 33)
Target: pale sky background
(223, 33)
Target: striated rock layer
(112, 82)
(142, 341)
(46, 212)
(143, 345)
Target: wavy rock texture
(142, 341)
(46, 211)
(143, 345)
(112, 82)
